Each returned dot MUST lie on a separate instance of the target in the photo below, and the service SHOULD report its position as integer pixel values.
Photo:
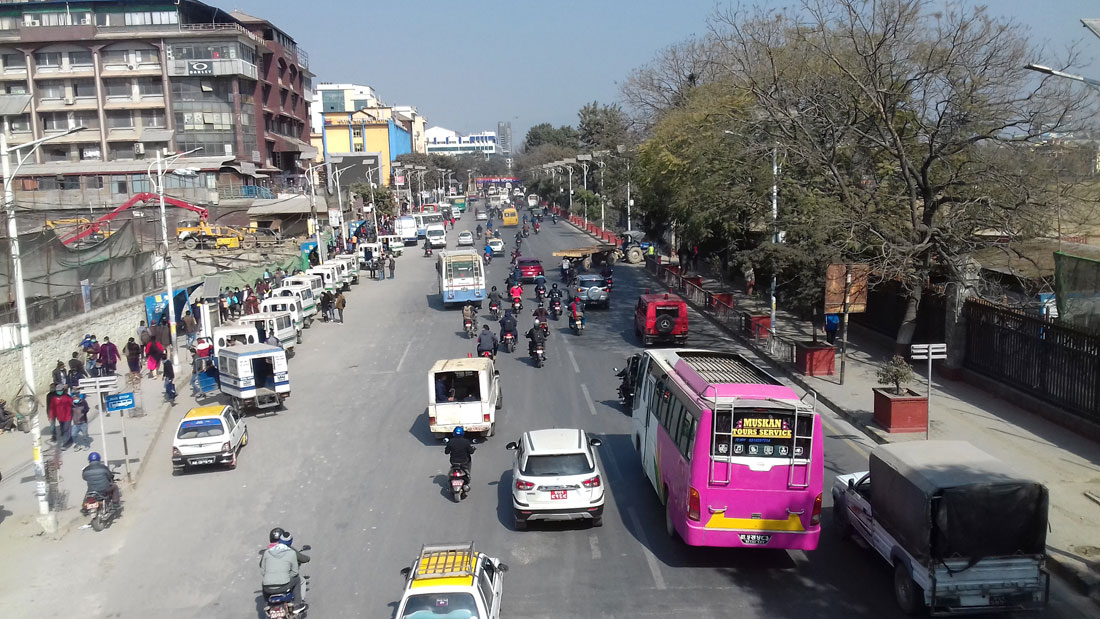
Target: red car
(529, 268)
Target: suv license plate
(559, 494)
(201, 461)
(755, 540)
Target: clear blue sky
(467, 65)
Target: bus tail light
(815, 519)
(693, 504)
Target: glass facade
(203, 110)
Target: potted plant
(898, 408)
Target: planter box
(901, 413)
(759, 326)
(694, 279)
(725, 298)
(673, 268)
(815, 359)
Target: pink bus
(736, 457)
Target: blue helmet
(459, 431)
(95, 457)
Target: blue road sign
(119, 401)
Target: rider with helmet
(576, 308)
(279, 564)
(461, 450)
(486, 341)
(555, 292)
(508, 325)
(99, 478)
(539, 313)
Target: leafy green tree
(545, 133)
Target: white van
(234, 334)
(314, 282)
(290, 304)
(281, 324)
(303, 295)
(463, 392)
(436, 235)
(329, 275)
(351, 264)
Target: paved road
(350, 468)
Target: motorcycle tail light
(524, 485)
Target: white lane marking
(407, 347)
(594, 544)
(655, 569)
(588, 399)
(576, 368)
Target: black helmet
(494, 288)
(276, 534)
(554, 285)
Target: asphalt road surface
(350, 468)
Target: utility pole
(628, 200)
(311, 171)
(775, 229)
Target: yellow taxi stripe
(451, 581)
(792, 524)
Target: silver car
(592, 290)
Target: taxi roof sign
(445, 561)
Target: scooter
(509, 342)
(577, 323)
(554, 218)
(626, 389)
(538, 355)
(101, 508)
(542, 325)
(555, 309)
(540, 294)
(488, 259)
(282, 605)
(536, 229)
(494, 310)
(470, 326)
(428, 251)
(488, 354)
(517, 304)
(460, 481)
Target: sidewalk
(144, 422)
(1066, 463)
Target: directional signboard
(119, 401)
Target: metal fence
(45, 311)
(1053, 362)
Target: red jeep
(661, 318)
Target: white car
(465, 238)
(209, 435)
(481, 216)
(497, 246)
(436, 235)
(556, 477)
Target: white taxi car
(465, 238)
(556, 477)
(497, 246)
(452, 581)
(209, 435)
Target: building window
(55, 121)
(118, 183)
(51, 89)
(92, 182)
(47, 60)
(84, 89)
(358, 147)
(120, 119)
(85, 119)
(152, 118)
(8, 22)
(20, 123)
(68, 182)
(152, 18)
(122, 150)
(114, 57)
(80, 60)
(91, 153)
(118, 89)
(151, 87)
(356, 132)
(14, 62)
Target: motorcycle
(478, 233)
(626, 389)
(282, 605)
(428, 251)
(494, 310)
(488, 259)
(576, 323)
(555, 309)
(488, 354)
(542, 325)
(536, 229)
(526, 233)
(554, 218)
(540, 294)
(509, 342)
(517, 304)
(470, 325)
(101, 508)
(460, 481)
(538, 355)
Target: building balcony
(141, 70)
(144, 103)
(212, 68)
(64, 105)
(61, 72)
(90, 135)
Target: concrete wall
(57, 342)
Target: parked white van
(290, 304)
(329, 275)
(281, 324)
(313, 281)
(303, 295)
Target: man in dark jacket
(461, 449)
(99, 478)
(486, 341)
(280, 563)
(537, 337)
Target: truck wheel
(190, 243)
(248, 244)
(634, 255)
(908, 593)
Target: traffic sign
(119, 401)
(99, 384)
(928, 351)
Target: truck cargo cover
(943, 499)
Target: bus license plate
(559, 494)
(755, 540)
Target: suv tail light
(592, 482)
(815, 519)
(486, 417)
(524, 485)
(693, 504)
(431, 421)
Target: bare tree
(663, 83)
(925, 125)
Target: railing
(220, 26)
(230, 191)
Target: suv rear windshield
(201, 428)
(558, 464)
(440, 606)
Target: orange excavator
(97, 226)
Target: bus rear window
(760, 433)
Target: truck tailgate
(459, 414)
(1016, 582)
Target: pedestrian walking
(190, 328)
(169, 381)
(392, 264)
(133, 356)
(76, 370)
(750, 279)
(143, 334)
(108, 356)
(61, 414)
(153, 353)
(60, 374)
(326, 306)
(832, 325)
(341, 303)
(91, 353)
(164, 333)
(80, 437)
(368, 258)
(223, 305)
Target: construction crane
(95, 226)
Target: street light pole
(47, 518)
(162, 165)
(628, 200)
(311, 171)
(775, 229)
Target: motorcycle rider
(576, 308)
(508, 325)
(536, 226)
(565, 266)
(537, 337)
(540, 314)
(478, 230)
(461, 450)
(495, 297)
(486, 341)
(279, 564)
(469, 312)
(554, 218)
(540, 287)
(606, 271)
(571, 276)
(516, 292)
(427, 247)
(99, 478)
(555, 292)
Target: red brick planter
(673, 268)
(694, 279)
(901, 413)
(724, 297)
(815, 358)
(759, 326)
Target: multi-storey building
(382, 132)
(328, 97)
(144, 76)
(504, 137)
(446, 142)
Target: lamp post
(162, 164)
(601, 164)
(47, 518)
(622, 150)
(420, 172)
(311, 172)
(584, 159)
(339, 192)
(373, 208)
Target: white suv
(556, 477)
